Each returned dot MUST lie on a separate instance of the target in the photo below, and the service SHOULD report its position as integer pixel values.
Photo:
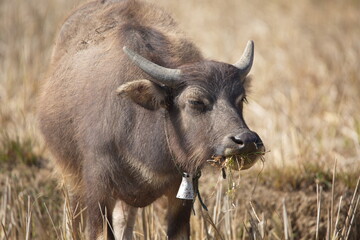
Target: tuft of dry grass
(303, 104)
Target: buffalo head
(204, 101)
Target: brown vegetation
(303, 103)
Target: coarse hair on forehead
(214, 77)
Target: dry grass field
(304, 104)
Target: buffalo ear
(144, 92)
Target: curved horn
(246, 60)
(162, 75)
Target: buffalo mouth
(237, 160)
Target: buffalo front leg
(99, 220)
(178, 217)
(98, 201)
(123, 220)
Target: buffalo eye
(197, 104)
(241, 100)
(244, 100)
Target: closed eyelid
(197, 95)
(205, 101)
(240, 98)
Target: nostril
(259, 145)
(237, 140)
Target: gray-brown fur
(119, 145)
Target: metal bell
(186, 189)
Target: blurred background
(304, 103)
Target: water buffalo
(124, 122)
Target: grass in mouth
(236, 163)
